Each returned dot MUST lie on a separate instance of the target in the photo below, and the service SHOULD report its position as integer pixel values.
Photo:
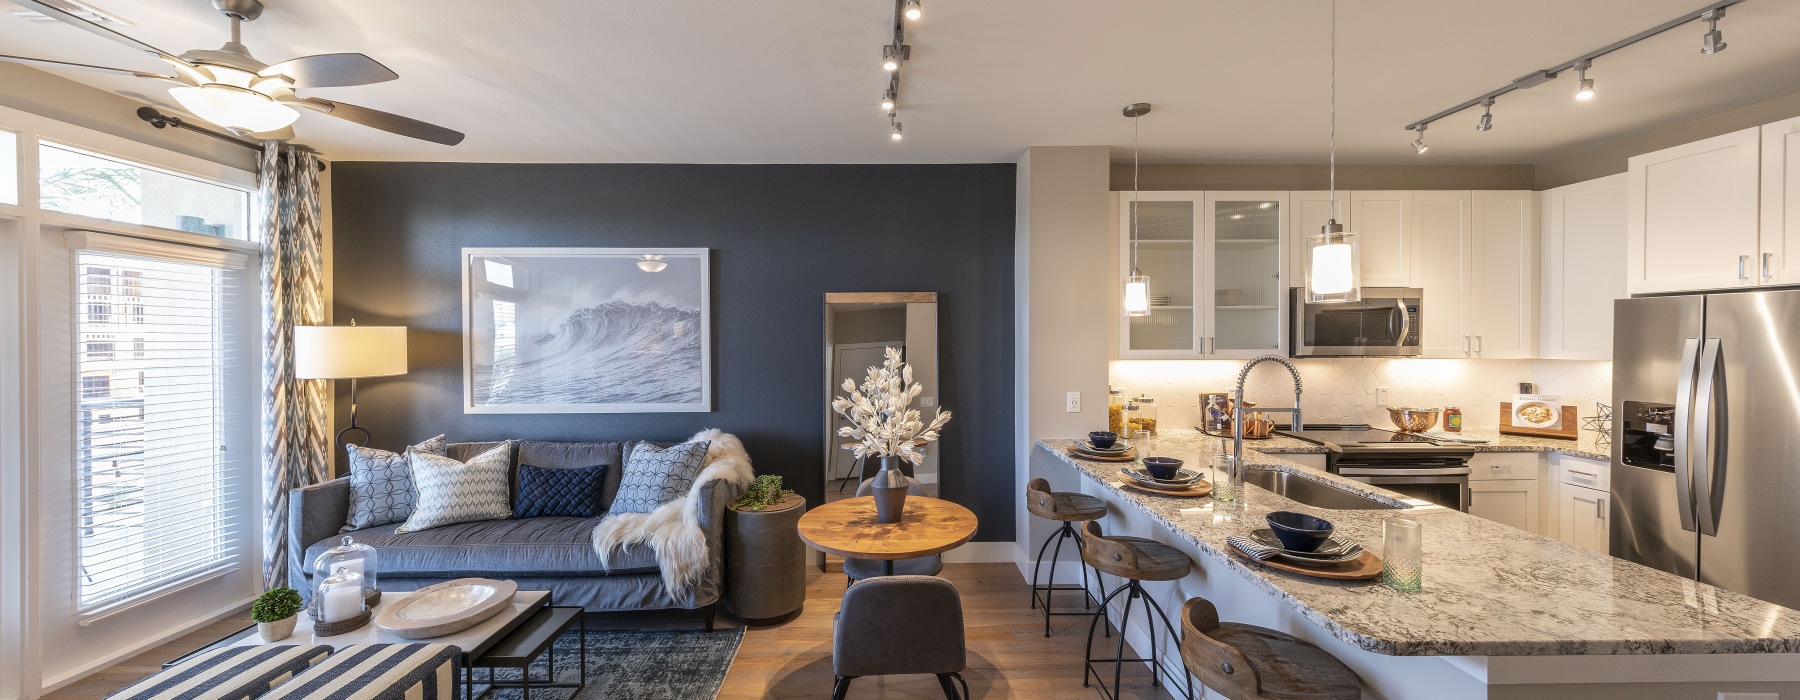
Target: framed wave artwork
(586, 330)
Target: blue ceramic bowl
(1164, 468)
(1298, 531)
(1103, 439)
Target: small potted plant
(275, 612)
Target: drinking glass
(1227, 478)
(1402, 558)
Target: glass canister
(338, 597)
(355, 558)
(1115, 411)
(1147, 414)
(1132, 422)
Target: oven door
(1444, 486)
(1386, 323)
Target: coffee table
(514, 638)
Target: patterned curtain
(296, 438)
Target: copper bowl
(1413, 420)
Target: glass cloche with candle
(354, 558)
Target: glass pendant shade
(1333, 266)
(235, 107)
(1137, 295)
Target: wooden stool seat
(1066, 507)
(1134, 558)
(1246, 662)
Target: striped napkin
(1343, 551)
(1251, 548)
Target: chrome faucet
(1237, 406)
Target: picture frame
(586, 330)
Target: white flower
(880, 414)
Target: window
(77, 182)
(9, 167)
(153, 492)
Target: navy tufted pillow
(547, 492)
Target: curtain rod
(161, 121)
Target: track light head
(1712, 41)
(896, 134)
(887, 99)
(912, 9)
(893, 55)
(1487, 115)
(1586, 91)
(1418, 144)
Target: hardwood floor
(1009, 657)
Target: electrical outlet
(1729, 695)
(1074, 402)
(1381, 396)
(927, 401)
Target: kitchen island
(1503, 613)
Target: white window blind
(156, 502)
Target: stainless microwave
(1385, 323)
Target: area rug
(636, 664)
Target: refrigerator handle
(1684, 403)
(1709, 475)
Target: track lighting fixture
(893, 55)
(887, 99)
(1713, 41)
(896, 135)
(912, 9)
(1585, 89)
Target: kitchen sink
(1312, 493)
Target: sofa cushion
(543, 491)
(575, 455)
(381, 484)
(453, 492)
(495, 549)
(654, 476)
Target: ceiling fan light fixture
(235, 107)
(652, 263)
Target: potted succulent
(765, 562)
(275, 612)
(884, 425)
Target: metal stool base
(1157, 672)
(1042, 595)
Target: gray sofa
(552, 553)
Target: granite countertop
(1585, 447)
(1489, 589)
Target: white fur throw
(673, 529)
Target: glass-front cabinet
(1216, 266)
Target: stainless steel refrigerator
(1706, 439)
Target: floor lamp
(349, 352)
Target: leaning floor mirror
(859, 328)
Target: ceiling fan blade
(332, 70)
(384, 121)
(47, 63)
(58, 14)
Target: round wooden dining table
(848, 528)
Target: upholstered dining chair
(900, 624)
(859, 569)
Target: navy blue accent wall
(781, 237)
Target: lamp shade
(348, 352)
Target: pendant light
(1333, 256)
(1137, 286)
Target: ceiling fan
(230, 88)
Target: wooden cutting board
(1364, 567)
(1568, 431)
(1198, 490)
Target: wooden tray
(1198, 490)
(1362, 568)
(1569, 431)
(1126, 456)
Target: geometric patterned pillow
(656, 475)
(544, 492)
(453, 492)
(381, 484)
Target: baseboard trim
(981, 553)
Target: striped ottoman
(231, 673)
(378, 672)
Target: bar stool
(856, 466)
(1136, 560)
(1069, 508)
(1246, 662)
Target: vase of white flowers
(884, 425)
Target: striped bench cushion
(378, 672)
(230, 673)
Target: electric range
(1407, 463)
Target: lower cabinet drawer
(1491, 466)
(1586, 473)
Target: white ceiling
(796, 81)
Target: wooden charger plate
(1364, 567)
(1125, 456)
(1199, 489)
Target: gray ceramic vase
(889, 490)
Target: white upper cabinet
(1780, 259)
(1444, 270)
(1384, 221)
(1503, 299)
(1583, 232)
(1692, 216)
(1166, 244)
(1244, 296)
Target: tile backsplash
(1344, 390)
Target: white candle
(341, 603)
(354, 566)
